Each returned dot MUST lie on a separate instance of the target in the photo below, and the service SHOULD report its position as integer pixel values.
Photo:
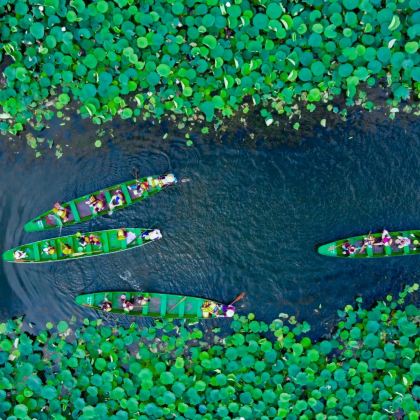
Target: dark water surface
(248, 220)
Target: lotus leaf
(37, 30)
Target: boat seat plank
(198, 305)
(37, 255)
(108, 197)
(163, 305)
(145, 309)
(388, 250)
(369, 251)
(57, 249)
(74, 211)
(105, 241)
(181, 309)
(126, 194)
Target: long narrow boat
(81, 245)
(99, 203)
(156, 305)
(358, 246)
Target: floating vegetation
(368, 368)
(201, 58)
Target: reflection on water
(248, 218)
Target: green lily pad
(411, 47)
(164, 70)
(210, 41)
(37, 30)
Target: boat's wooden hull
(161, 305)
(36, 252)
(79, 211)
(335, 249)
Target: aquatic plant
(368, 368)
(201, 58)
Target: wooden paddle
(173, 307)
(238, 298)
(135, 172)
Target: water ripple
(248, 219)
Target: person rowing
(386, 239)
(402, 241)
(166, 180)
(368, 242)
(228, 311)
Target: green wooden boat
(156, 305)
(81, 245)
(99, 203)
(361, 247)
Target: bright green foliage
(369, 368)
(155, 57)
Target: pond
(247, 218)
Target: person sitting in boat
(386, 239)
(402, 241)
(83, 239)
(49, 250)
(61, 212)
(94, 240)
(209, 308)
(128, 236)
(368, 242)
(126, 304)
(66, 249)
(228, 311)
(139, 188)
(117, 200)
(348, 248)
(106, 306)
(20, 255)
(122, 234)
(151, 235)
(166, 180)
(96, 203)
(141, 300)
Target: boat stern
(84, 300)
(34, 225)
(8, 256)
(329, 250)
